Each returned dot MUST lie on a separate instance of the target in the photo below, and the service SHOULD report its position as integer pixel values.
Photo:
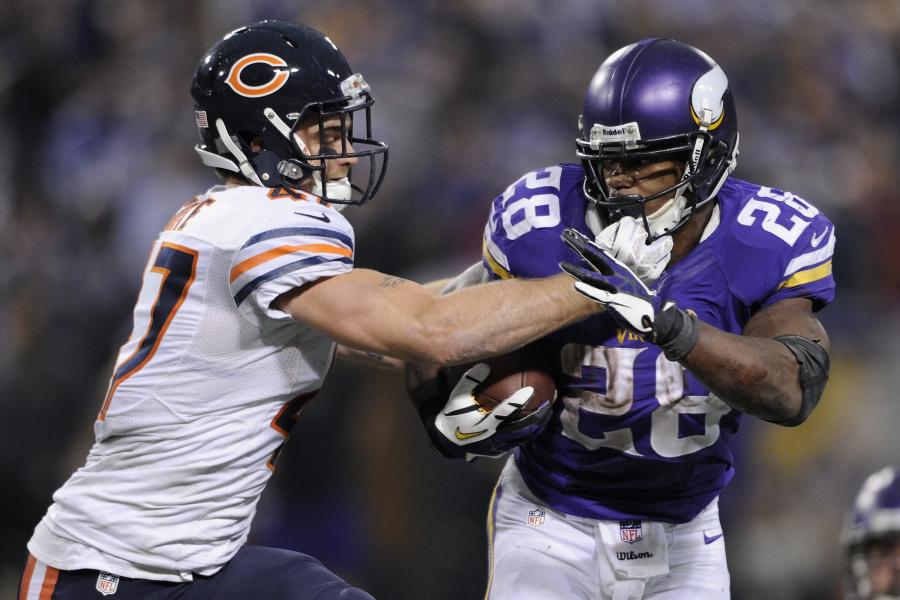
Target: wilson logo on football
(279, 75)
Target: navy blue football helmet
(658, 99)
(258, 85)
(871, 538)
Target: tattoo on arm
(391, 281)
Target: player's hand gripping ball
(498, 403)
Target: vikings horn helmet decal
(707, 107)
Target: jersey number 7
(178, 265)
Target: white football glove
(463, 421)
(625, 240)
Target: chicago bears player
(710, 285)
(244, 292)
(871, 539)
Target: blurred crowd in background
(96, 154)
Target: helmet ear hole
(716, 153)
(253, 141)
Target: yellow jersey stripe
(807, 276)
(492, 509)
(496, 267)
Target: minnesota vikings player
(871, 539)
(710, 285)
(244, 292)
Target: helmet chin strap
(669, 214)
(338, 189)
(242, 162)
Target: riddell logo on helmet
(279, 76)
(629, 133)
(621, 131)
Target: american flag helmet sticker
(202, 122)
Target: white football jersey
(204, 392)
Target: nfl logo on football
(630, 531)
(536, 517)
(107, 584)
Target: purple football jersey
(634, 435)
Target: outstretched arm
(387, 315)
(473, 275)
(371, 359)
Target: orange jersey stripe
(26, 578)
(262, 257)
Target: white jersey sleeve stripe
(812, 258)
(492, 247)
(291, 266)
(494, 257)
(298, 231)
(274, 253)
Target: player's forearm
(373, 312)
(372, 359)
(487, 320)
(758, 376)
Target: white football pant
(537, 553)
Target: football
(510, 372)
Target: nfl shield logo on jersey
(537, 517)
(107, 583)
(630, 531)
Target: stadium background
(96, 153)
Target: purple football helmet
(659, 99)
(871, 538)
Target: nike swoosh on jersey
(320, 217)
(461, 435)
(815, 240)
(709, 539)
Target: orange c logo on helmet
(279, 78)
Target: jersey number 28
(590, 418)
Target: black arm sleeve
(814, 364)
